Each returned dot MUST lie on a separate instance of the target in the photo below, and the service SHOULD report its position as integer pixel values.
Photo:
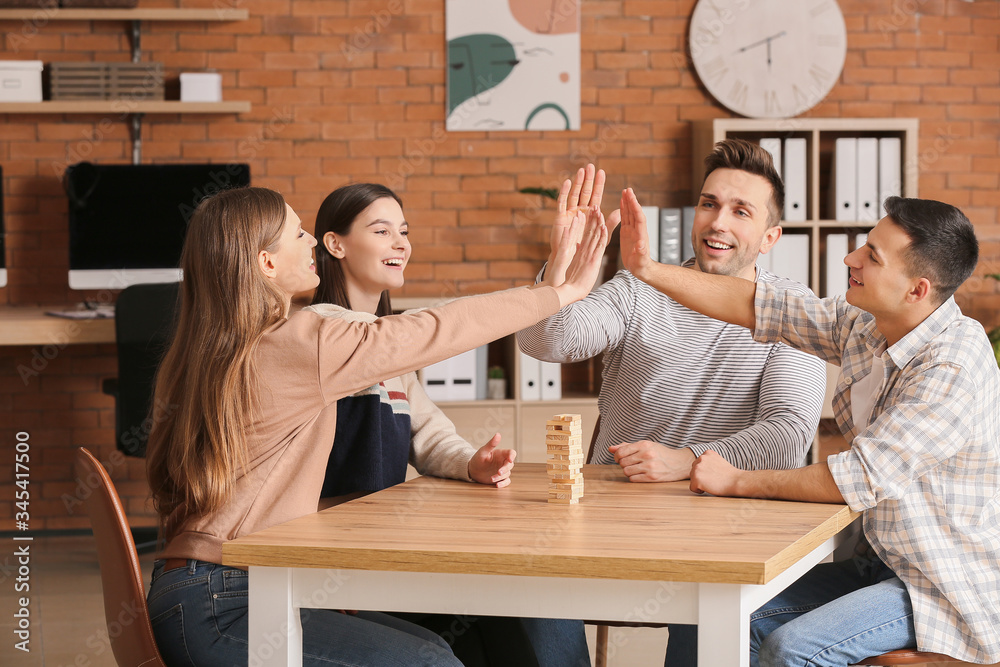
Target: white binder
(551, 381)
(437, 381)
(795, 179)
(845, 180)
(890, 171)
(836, 271)
(652, 214)
(687, 226)
(670, 235)
(868, 199)
(531, 377)
(789, 258)
(773, 146)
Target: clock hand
(766, 40)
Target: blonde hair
(207, 381)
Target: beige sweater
(306, 363)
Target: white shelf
(124, 107)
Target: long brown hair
(207, 381)
(337, 214)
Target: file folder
(551, 381)
(890, 171)
(773, 146)
(652, 214)
(836, 271)
(687, 226)
(531, 377)
(845, 180)
(868, 199)
(670, 235)
(795, 179)
(789, 257)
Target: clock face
(768, 58)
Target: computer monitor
(3, 238)
(127, 222)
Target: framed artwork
(513, 65)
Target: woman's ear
(266, 264)
(333, 246)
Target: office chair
(144, 323)
(132, 642)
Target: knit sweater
(306, 363)
(382, 427)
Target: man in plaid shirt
(917, 398)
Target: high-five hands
(583, 259)
(584, 192)
(634, 237)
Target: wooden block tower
(564, 447)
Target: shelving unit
(520, 422)
(132, 110)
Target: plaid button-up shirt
(925, 471)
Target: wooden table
(627, 552)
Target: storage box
(201, 87)
(20, 80)
(106, 81)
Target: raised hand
(583, 192)
(634, 237)
(490, 465)
(582, 272)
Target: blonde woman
(252, 392)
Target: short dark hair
(943, 245)
(336, 214)
(745, 156)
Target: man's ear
(919, 290)
(266, 263)
(333, 245)
(771, 237)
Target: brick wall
(354, 90)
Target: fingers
(564, 195)
(574, 193)
(493, 443)
(598, 193)
(588, 186)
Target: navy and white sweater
(382, 428)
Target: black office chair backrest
(144, 324)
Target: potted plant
(496, 385)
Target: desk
(633, 552)
(24, 325)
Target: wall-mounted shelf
(132, 110)
(138, 14)
(124, 107)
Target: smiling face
(374, 252)
(731, 223)
(879, 276)
(291, 264)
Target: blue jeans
(557, 643)
(836, 614)
(199, 618)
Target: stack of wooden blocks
(563, 443)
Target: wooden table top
(619, 530)
(29, 325)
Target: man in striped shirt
(917, 398)
(676, 383)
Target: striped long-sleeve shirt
(681, 379)
(925, 471)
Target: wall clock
(768, 58)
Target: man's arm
(720, 297)
(712, 474)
